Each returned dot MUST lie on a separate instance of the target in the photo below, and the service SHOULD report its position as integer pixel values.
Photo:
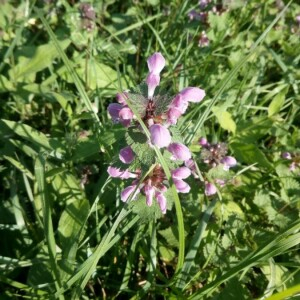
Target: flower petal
(173, 115)
(192, 94)
(228, 161)
(152, 82)
(127, 192)
(117, 173)
(125, 113)
(121, 98)
(149, 192)
(126, 155)
(179, 151)
(160, 136)
(210, 189)
(181, 186)
(162, 202)
(114, 109)
(156, 63)
(181, 173)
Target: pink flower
(203, 141)
(286, 155)
(210, 189)
(228, 161)
(149, 192)
(114, 109)
(162, 202)
(179, 151)
(192, 94)
(156, 63)
(128, 191)
(125, 113)
(121, 98)
(152, 82)
(181, 173)
(160, 135)
(117, 173)
(126, 155)
(181, 186)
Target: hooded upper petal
(179, 151)
(160, 135)
(228, 161)
(181, 186)
(156, 63)
(181, 173)
(210, 189)
(192, 94)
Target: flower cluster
(201, 14)
(294, 159)
(159, 113)
(213, 155)
(88, 16)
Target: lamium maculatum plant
(137, 161)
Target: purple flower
(128, 191)
(292, 166)
(286, 155)
(160, 135)
(117, 173)
(126, 155)
(220, 182)
(298, 19)
(203, 3)
(156, 63)
(149, 192)
(181, 173)
(203, 40)
(179, 151)
(203, 142)
(114, 109)
(181, 186)
(162, 202)
(228, 161)
(152, 82)
(210, 189)
(192, 94)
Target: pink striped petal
(192, 94)
(156, 63)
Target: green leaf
(225, 120)
(277, 102)
(40, 58)
(19, 166)
(26, 132)
(138, 142)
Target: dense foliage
(65, 231)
